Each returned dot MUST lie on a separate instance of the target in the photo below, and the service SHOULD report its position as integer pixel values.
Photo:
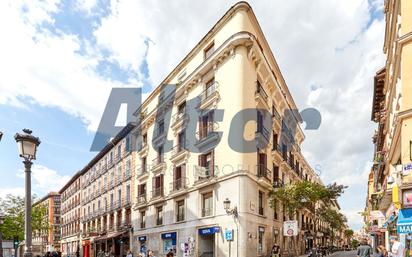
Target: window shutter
(161, 184)
(200, 128)
(199, 157)
(183, 171)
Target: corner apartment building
(192, 162)
(106, 198)
(390, 180)
(70, 216)
(49, 240)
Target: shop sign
(142, 238)
(171, 235)
(405, 229)
(407, 169)
(290, 228)
(209, 231)
(376, 215)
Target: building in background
(49, 240)
(106, 193)
(70, 217)
(388, 207)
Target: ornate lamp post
(1, 135)
(27, 145)
(229, 211)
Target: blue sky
(61, 59)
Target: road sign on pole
(290, 228)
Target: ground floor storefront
(70, 247)
(115, 243)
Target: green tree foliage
(349, 233)
(13, 209)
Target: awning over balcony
(404, 224)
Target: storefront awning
(404, 224)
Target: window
(261, 202)
(111, 200)
(119, 152)
(161, 128)
(157, 184)
(159, 215)
(262, 165)
(127, 144)
(144, 139)
(128, 193)
(160, 154)
(206, 125)
(207, 204)
(209, 50)
(275, 141)
(180, 210)
(127, 172)
(275, 174)
(181, 140)
(275, 210)
(181, 109)
(179, 177)
(210, 88)
(142, 219)
(207, 161)
(144, 161)
(119, 196)
(261, 240)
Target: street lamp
(1, 135)
(1, 236)
(229, 211)
(27, 145)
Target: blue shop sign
(209, 231)
(171, 235)
(405, 221)
(142, 238)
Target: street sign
(407, 169)
(229, 234)
(290, 228)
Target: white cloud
(45, 180)
(16, 191)
(355, 219)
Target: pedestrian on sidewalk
(382, 251)
(364, 250)
(397, 249)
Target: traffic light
(16, 242)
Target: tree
(317, 198)
(349, 233)
(13, 209)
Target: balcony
(110, 164)
(262, 137)
(277, 183)
(263, 172)
(260, 95)
(209, 96)
(127, 176)
(141, 199)
(179, 152)
(141, 171)
(157, 192)
(179, 184)
(126, 202)
(118, 204)
(159, 137)
(207, 137)
(179, 119)
(158, 164)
